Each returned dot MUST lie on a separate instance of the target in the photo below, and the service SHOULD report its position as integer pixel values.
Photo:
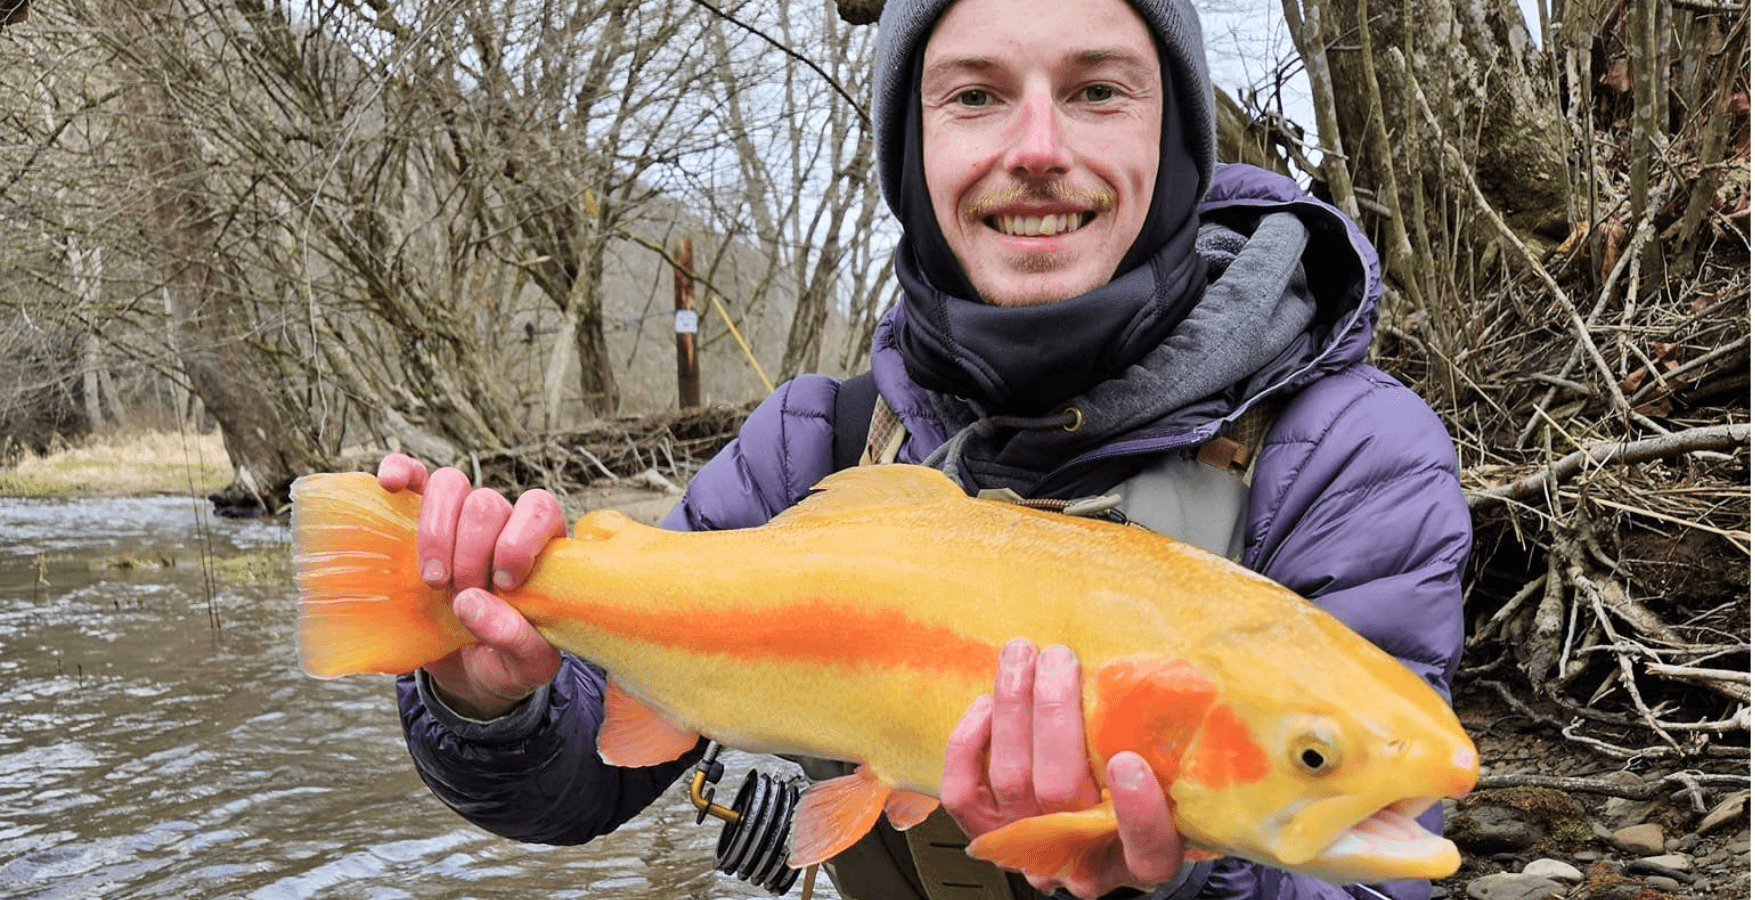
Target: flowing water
(157, 739)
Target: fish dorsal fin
(834, 814)
(634, 735)
(602, 524)
(1066, 845)
(873, 487)
(1153, 706)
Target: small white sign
(687, 322)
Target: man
(1076, 321)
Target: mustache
(987, 203)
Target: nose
(1036, 141)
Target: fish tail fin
(362, 605)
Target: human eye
(973, 98)
(1098, 93)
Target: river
(159, 740)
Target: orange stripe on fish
(816, 632)
(860, 624)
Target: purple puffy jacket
(1354, 504)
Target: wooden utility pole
(688, 366)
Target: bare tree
(798, 183)
(360, 218)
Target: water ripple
(148, 755)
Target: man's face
(1040, 122)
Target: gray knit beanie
(907, 23)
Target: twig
(1594, 593)
(1738, 539)
(1705, 359)
(1640, 236)
(1643, 791)
(592, 458)
(864, 117)
(1734, 685)
(1715, 437)
(1492, 625)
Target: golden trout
(860, 624)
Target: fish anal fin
(635, 735)
(1083, 844)
(834, 814)
(906, 809)
(1152, 706)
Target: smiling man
(1040, 153)
(1089, 307)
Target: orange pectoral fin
(1080, 844)
(906, 809)
(834, 814)
(634, 735)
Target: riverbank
(124, 464)
(155, 463)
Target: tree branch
(1716, 437)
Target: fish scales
(860, 625)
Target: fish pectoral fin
(1081, 844)
(635, 735)
(906, 809)
(836, 813)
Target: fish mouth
(1390, 844)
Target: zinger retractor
(757, 837)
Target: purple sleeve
(1357, 506)
(534, 774)
(784, 448)
(1232, 879)
(537, 777)
(1368, 518)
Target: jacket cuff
(517, 724)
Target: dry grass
(124, 463)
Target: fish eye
(1315, 755)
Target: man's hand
(467, 538)
(1021, 753)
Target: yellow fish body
(861, 624)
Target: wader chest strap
(948, 872)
